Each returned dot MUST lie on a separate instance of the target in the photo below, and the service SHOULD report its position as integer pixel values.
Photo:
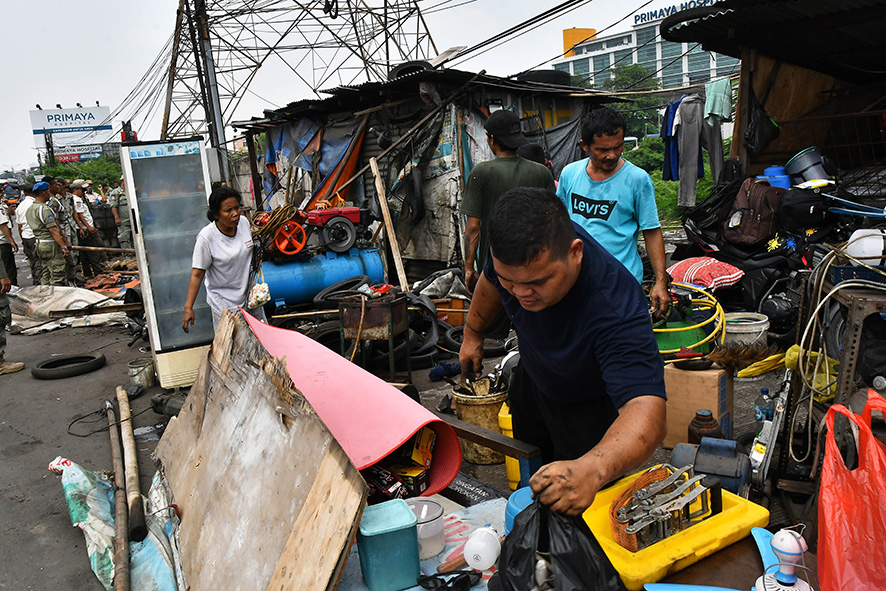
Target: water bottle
(764, 409)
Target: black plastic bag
(577, 560)
(761, 129)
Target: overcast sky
(62, 52)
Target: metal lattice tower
(220, 45)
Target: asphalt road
(40, 549)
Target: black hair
(216, 198)
(28, 188)
(48, 180)
(599, 122)
(527, 221)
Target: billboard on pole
(72, 127)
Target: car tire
(67, 366)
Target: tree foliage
(642, 113)
(100, 170)
(649, 154)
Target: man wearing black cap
(488, 180)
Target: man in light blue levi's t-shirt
(613, 200)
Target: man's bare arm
(655, 248)
(484, 306)
(570, 486)
(472, 241)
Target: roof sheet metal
(370, 94)
(844, 39)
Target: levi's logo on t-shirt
(592, 208)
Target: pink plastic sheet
(369, 417)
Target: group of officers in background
(53, 215)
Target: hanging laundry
(717, 108)
(688, 128)
(670, 168)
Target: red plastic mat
(369, 417)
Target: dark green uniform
(40, 219)
(118, 199)
(486, 183)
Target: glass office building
(675, 64)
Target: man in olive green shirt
(489, 180)
(51, 246)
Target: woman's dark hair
(218, 195)
(525, 222)
(599, 122)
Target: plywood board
(268, 498)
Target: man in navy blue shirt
(589, 390)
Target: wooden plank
(389, 225)
(495, 441)
(90, 310)
(314, 529)
(257, 475)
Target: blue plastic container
(387, 542)
(519, 500)
(782, 180)
(297, 282)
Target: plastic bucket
(483, 412)
(746, 328)
(141, 372)
(806, 166)
(519, 500)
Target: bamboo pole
(104, 249)
(137, 528)
(121, 540)
(389, 225)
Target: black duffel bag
(803, 209)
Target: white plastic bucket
(746, 328)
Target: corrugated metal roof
(370, 94)
(843, 38)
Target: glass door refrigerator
(167, 184)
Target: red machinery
(337, 227)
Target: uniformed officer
(51, 246)
(120, 209)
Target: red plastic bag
(851, 518)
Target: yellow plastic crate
(512, 465)
(675, 553)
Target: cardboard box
(416, 478)
(689, 391)
(419, 449)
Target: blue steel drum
(297, 282)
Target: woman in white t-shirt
(222, 258)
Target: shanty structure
(823, 65)
(425, 127)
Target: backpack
(752, 218)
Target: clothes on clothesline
(690, 124)
(672, 150)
